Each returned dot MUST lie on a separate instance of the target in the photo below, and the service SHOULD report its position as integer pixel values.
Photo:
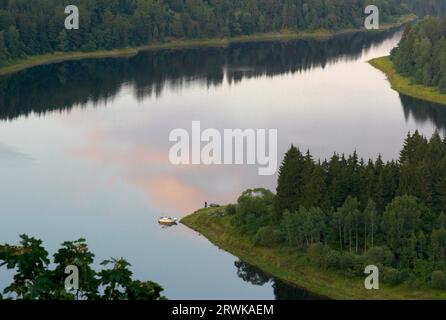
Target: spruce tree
(290, 182)
(314, 189)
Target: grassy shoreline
(403, 84)
(33, 61)
(292, 267)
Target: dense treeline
(349, 213)
(37, 27)
(426, 7)
(421, 53)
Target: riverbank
(292, 266)
(286, 35)
(403, 84)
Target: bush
(438, 280)
(231, 209)
(346, 261)
(318, 253)
(379, 255)
(413, 282)
(359, 265)
(423, 270)
(333, 260)
(391, 276)
(267, 237)
(254, 210)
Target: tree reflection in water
(424, 111)
(282, 290)
(58, 87)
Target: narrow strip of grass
(403, 84)
(285, 35)
(292, 266)
(33, 61)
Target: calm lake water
(84, 146)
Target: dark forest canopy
(420, 172)
(426, 7)
(37, 27)
(421, 54)
(347, 213)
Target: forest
(37, 27)
(421, 54)
(426, 7)
(347, 213)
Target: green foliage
(304, 227)
(267, 236)
(231, 209)
(289, 187)
(118, 283)
(3, 51)
(426, 7)
(254, 210)
(77, 253)
(438, 243)
(398, 225)
(318, 253)
(438, 280)
(333, 259)
(421, 53)
(30, 260)
(401, 222)
(37, 27)
(379, 256)
(34, 280)
(62, 41)
(391, 276)
(144, 290)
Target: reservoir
(84, 146)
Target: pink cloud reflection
(172, 194)
(167, 189)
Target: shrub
(438, 280)
(346, 261)
(333, 260)
(254, 210)
(423, 270)
(391, 276)
(413, 282)
(317, 253)
(358, 265)
(379, 255)
(231, 209)
(267, 237)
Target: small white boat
(167, 221)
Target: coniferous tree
(314, 188)
(290, 183)
(421, 54)
(62, 41)
(33, 27)
(390, 212)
